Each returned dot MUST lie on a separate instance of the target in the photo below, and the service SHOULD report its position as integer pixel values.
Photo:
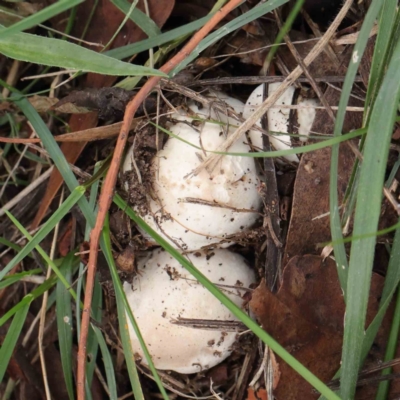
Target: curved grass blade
(40, 16)
(52, 148)
(60, 53)
(145, 23)
(131, 49)
(256, 329)
(277, 153)
(108, 365)
(26, 300)
(11, 279)
(9, 244)
(368, 208)
(11, 339)
(48, 260)
(65, 324)
(44, 231)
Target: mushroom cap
(278, 119)
(306, 116)
(164, 291)
(195, 211)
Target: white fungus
(164, 291)
(278, 118)
(195, 211)
(305, 117)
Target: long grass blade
(381, 50)
(48, 260)
(391, 348)
(108, 365)
(72, 199)
(11, 339)
(11, 279)
(336, 225)
(60, 53)
(368, 208)
(26, 300)
(65, 324)
(145, 23)
(131, 49)
(54, 150)
(40, 16)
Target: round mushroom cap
(164, 291)
(195, 211)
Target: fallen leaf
(309, 223)
(306, 317)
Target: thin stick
(111, 178)
(213, 159)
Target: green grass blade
(44, 231)
(131, 49)
(335, 221)
(128, 352)
(368, 208)
(391, 283)
(391, 348)
(123, 308)
(11, 339)
(60, 53)
(65, 324)
(108, 365)
(11, 279)
(285, 29)
(381, 50)
(39, 17)
(48, 260)
(54, 150)
(277, 153)
(9, 244)
(233, 308)
(145, 23)
(26, 300)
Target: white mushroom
(278, 118)
(164, 291)
(306, 116)
(194, 211)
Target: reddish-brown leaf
(309, 223)
(306, 317)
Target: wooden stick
(111, 178)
